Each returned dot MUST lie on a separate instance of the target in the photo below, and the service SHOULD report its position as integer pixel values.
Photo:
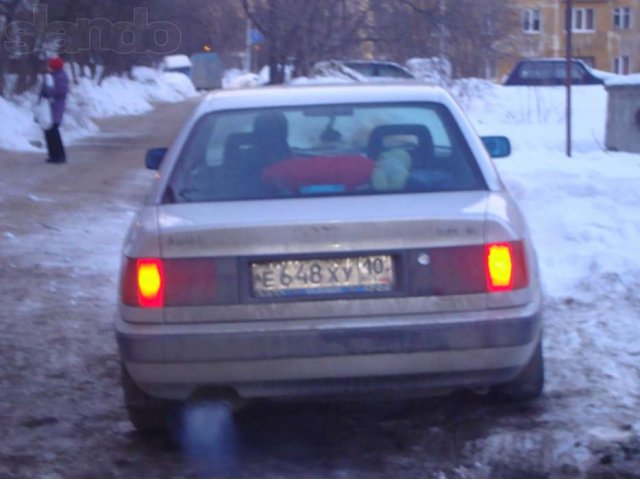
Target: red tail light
(505, 266)
(156, 283)
(150, 282)
(492, 268)
(499, 267)
(143, 283)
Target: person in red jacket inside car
(55, 89)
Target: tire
(528, 384)
(146, 413)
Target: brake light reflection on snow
(150, 283)
(499, 267)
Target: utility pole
(248, 63)
(569, 79)
(442, 31)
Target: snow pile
(174, 62)
(623, 80)
(235, 78)
(124, 96)
(433, 70)
(88, 100)
(18, 127)
(534, 117)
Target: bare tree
(473, 32)
(406, 28)
(103, 34)
(297, 33)
(466, 32)
(301, 33)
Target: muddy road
(61, 411)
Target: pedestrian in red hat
(55, 89)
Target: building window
(622, 65)
(531, 22)
(584, 20)
(622, 17)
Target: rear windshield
(551, 70)
(378, 70)
(332, 150)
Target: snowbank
(234, 79)
(432, 70)
(18, 129)
(174, 62)
(623, 80)
(88, 100)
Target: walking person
(55, 89)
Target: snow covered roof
(624, 81)
(176, 61)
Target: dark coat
(57, 94)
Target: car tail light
(492, 268)
(150, 281)
(159, 283)
(505, 266)
(143, 283)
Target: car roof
(548, 59)
(299, 95)
(372, 62)
(363, 62)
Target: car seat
(422, 154)
(271, 132)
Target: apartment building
(606, 33)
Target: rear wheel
(529, 382)
(146, 413)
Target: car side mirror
(155, 156)
(498, 147)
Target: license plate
(287, 278)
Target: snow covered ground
(88, 101)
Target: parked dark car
(553, 71)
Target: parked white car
(177, 64)
(307, 241)
(363, 71)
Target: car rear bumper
(285, 359)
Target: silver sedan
(325, 240)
